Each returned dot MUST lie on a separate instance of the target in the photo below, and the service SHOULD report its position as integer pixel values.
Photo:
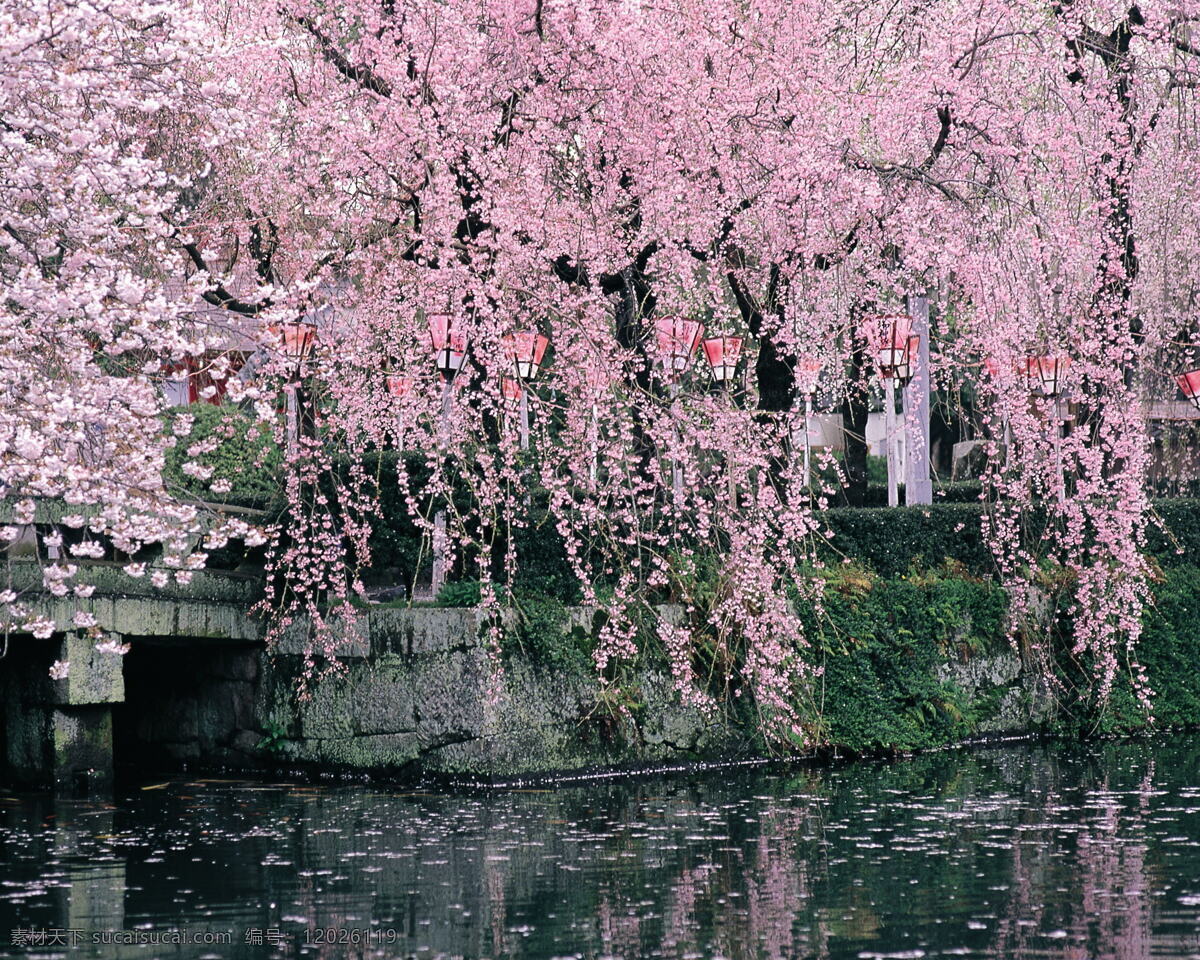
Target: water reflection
(1021, 852)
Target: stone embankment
(412, 691)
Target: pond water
(1025, 851)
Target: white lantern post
(677, 339)
(893, 356)
(449, 351)
(297, 339)
(723, 354)
(809, 373)
(596, 382)
(918, 488)
(524, 350)
(1046, 375)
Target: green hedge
(1174, 538)
(1170, 647)
(396, 540)
(1168, 650)
(897, 540)
(890, 541)
(894, 541)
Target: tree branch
(361, 74)
(217, 295)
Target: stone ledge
(165, 618)
(110, 580)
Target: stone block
(385, 701)
(81, 741)
(670, 728)
(581, 618)
(240, 697)
(352, 641)
(364, 752)
(27, 729)
(223, 621)
(186, 751)
(391, 631)
(246, 742)
(423, 630)
(329, 711)
(175, 718)
(454, 696)
(197, 620)
(143, 617)
(980, 672)
(93, 677)
(215, 718)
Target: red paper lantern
(525, 350)
(678, 339)
(808, 373)
(1189, 383)
(723, 354)
(1047, 373)
(449, 344)
(907, 367)
(892, 343)
(510, 392)
(998, 371)
(297, 339)
(896, 348)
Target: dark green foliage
(958, 491)
(1170, 647)
(543, 635)
(889, 541)
(892, 541)
(460, 593)
(274, 738)
(1177, 540)
(879, 643)
(246, 456)
(396, 547)
(542, 567)
(1169, 650)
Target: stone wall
(58, 731)
(418, 692)
(415, 691)
(412, 691)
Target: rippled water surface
(1031, 851)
